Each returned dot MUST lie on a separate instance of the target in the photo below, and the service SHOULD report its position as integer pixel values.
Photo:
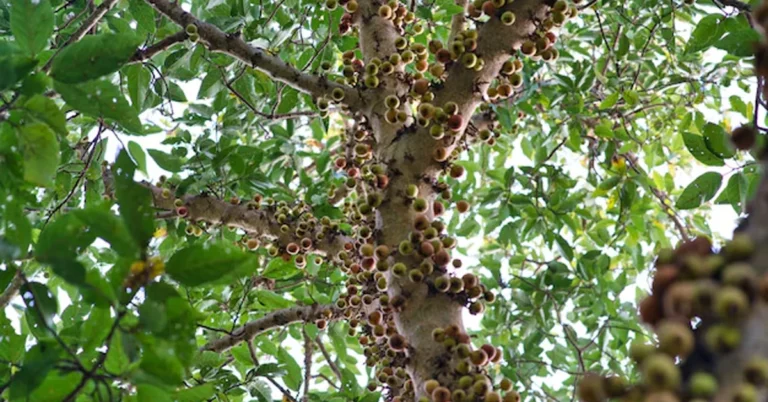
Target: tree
(353, 179)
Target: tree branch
(87, 25)
(327, 356)
(277, 69)
(259, 222)
(12, 290)
(272, 117)
(458, 21)
(149, 51)
(307, 363)
(272, 320)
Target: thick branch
(459, 20)
(234, 45)
(207, 208)
(148, 52)
(272, 320)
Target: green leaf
(63, 239)
(134, 200)
(697, 146)
(13, 66)
(100, 98)
(718, 141)
(44, 109)
(565, 249)
(701, 190)
(92, 57)
(604, 129)
(104, 224)
(203, 263)
(706, 33)
(138, 85)
(143, 13)
(162, 363)
(272, 300)
(117, 361)
(739, 43)
(138, 155)
(278, 268)
(41, 307)
(32, 24)
(293, 376)
(96, 328)
(195, 394)
(609, 101)
(151, 393)
(18, 229)
(166, 161)
(631, 97)
(372, 397)
(56, 386)
(38, 362)
(41, 153)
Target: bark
(165, 43)
(261, 223)
(409, 159)
(260, 59)
(275, 319)
(12, 290)
(729, 368)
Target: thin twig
(149, 51)
(79, 179)
(327, 356)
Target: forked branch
(258, 58)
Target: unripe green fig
(590, 388)
(420, 205)
(639, 351)
(392, 102)
(731, 304)
(191, 29)
(337, 94)
(399, 269)
(660, 372)
(469, 60)
(508, 18)
(702, 385)
(756, 372)
(675, 338)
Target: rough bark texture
(410, 161)
(260, 223)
